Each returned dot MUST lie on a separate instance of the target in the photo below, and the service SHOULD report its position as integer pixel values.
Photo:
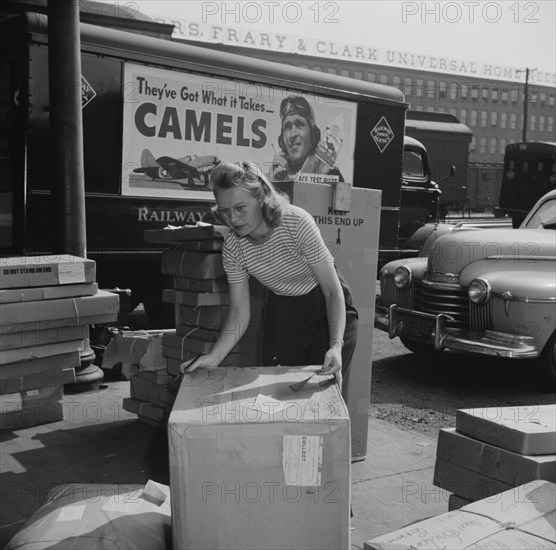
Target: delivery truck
(157, 117)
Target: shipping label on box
(192, 265)
(244, 448)
(105, 304)
(194, 299)
(528, 429)
(64, 269)
(47, 293)
(493, 462)
(522, 517)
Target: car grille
(450, 299)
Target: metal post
(66, 126)
(525, 102)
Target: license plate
(416, 327)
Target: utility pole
(525, 102)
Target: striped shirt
(282, 260)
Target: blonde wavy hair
(248, 176)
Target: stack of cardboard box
(495, 449)
(520, 518)
(46, 305)
(199, 293)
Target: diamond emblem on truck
(382, 134)
(87, 92)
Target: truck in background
(157, 116)
(447, 143)
(529, 172)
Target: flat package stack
(256, 465)
(46, 306)
(152, 389)
(199, 293)
(495, 449)
(521, 518)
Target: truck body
(447, 143)
(157, 116)
(529, 172)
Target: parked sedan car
(482, 291)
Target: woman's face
(242, 212)
(296, 133)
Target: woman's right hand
(199, 362)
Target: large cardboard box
(37, 366)
(35, 381)
(520, 518)
(528, 430)
(195, 299)
(32, 407)
(102, 303)
(193, 265)
(485, 466)
(199, 285)
(160, 394)
(199, 232)
(47, 293)
(62, 322)
(39, 352)
(211, 317)
(352, 237)
(46, 335)
(63, 269)
(255, 465)
(175, 345)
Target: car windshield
(544, 217)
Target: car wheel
(545, 364)
(418, 348)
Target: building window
(464, 91)
(513, 121)
(384, 79)
(430, 109)
(484, 119)
(473, 144)
(473, 117)
(503, 120)
(485, 93)
(420, 87)
(418, 107)
(463, 116)
(483, 145)
(454, 112)
(551, 101)
(431, 89)
(317, 68)
(542, 120)
(515, 96)
(493, 118)
(371, 77)
(543, 99)
(533, 123)
(396, 81)
(331, 70)
(504, 96)
(493, 145)
(474, 93)
(503, 144)
(358, 75)
(345, 72)
(303, 66)
(550, 124)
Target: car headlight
(402, 277)
(479, 291)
